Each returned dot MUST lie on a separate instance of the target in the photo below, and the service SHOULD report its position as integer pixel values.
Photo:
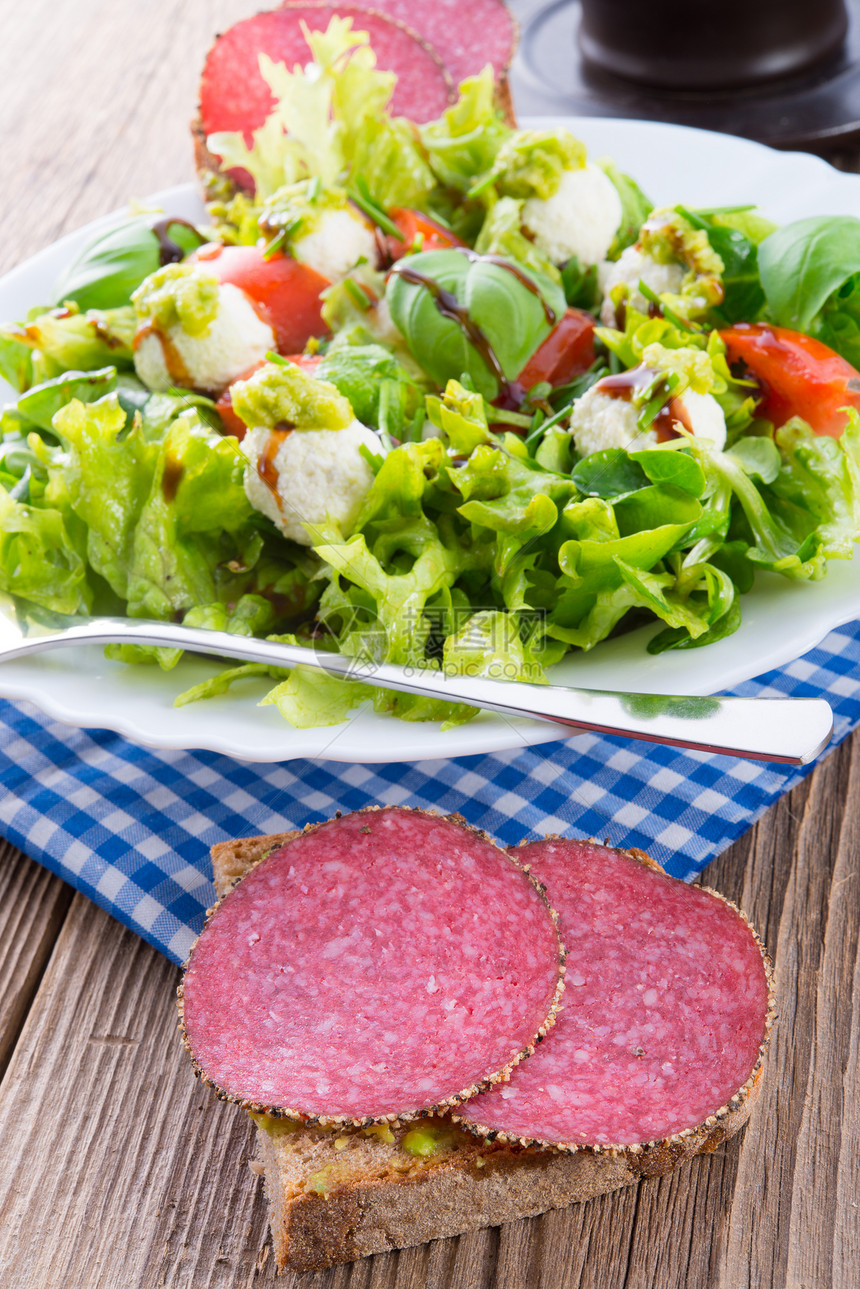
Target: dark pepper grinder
(693, 45)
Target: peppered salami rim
(219, 83)
(407, 1027)
(491, 1128)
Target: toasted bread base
(335, 1196)
(476, 1187)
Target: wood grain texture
(117, 1170)
(33, 905)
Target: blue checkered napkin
(131, 827)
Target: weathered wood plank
(784, 1207)
(98, 106)
(119, 1169)
(33, 904)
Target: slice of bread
(338, 1194)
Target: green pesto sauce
(182, 295)
(282, 395)
(426, 1140)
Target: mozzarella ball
(339, 239)
(581, 218)
(631, 268)
(702, 415)
(236, 339)
(600, 421)
(321, 475)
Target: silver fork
(791, 730)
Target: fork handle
(788, 730)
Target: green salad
(451, 395)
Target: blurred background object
(785, 72)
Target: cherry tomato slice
(285, 293)
(799, 376)
(413, 225)
(567, 352)
(233, 424)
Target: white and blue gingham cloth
(131, 827)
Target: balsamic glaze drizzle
(449, 307)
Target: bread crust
(314, 1231)
(484, 1183)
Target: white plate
(781, 619)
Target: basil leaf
(503, 308)
(635, 208)
(110, 268)
(803, 263)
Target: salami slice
(665, 1012)
(376, 966)
(234, 96)
(466, 36)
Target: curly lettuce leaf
(329, 118)
(501, 234)
(65, 339)
(464, 141)
(530, 163)
(97, 449)
(39, 560)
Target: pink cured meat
(234, 96)
(664, 1012)
(466, 36)
(383, 963)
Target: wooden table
(117, 1170)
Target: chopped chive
(314, 188)
(723, 210)
(276, 244)
(502, 416)
(536, 428)
(440, 219)
(356, 294)
(272, 357)
(541, 429)
(360, 194)
(482, 184)
(693, 217)
(373, 459)
(668, 313)
(417, 425)
(655, 403)
(559, 416)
